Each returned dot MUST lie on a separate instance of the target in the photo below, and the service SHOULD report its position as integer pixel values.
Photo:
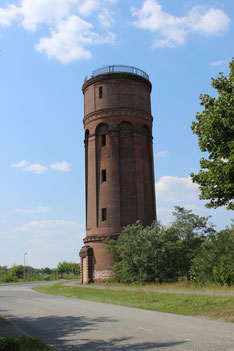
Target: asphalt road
(72, 324)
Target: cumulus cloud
(67, 42)
(36, 12)
(163, 153)
(39, 209)
(171, 30)
(68, 35)
(61, 166)
(36, 168)
(50, 226)
(175, 189)
(8, 15)
(20, 164)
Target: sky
(47, 49)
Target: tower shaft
(119, 170)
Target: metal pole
(24, 265)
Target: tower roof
(118, 69)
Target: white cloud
(218, 63)
(88, 6)
(163, 153)
(40, 169)
(175, 189)
(67, 42)
(39, 209)
(50, 226)
(35, 12)
(68, 34)
(61, 166)
(212, 22)
(105, 18)
(36, 168)
(172, 30)
(8, 15)
(20, 164)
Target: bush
(146, 254)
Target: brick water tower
(119, 170)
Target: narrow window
(103, 141)
(100, 92)
(103, 175)
(103, 214)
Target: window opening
(103, 139)
(103, 175)
(100, 92)
(103, 214)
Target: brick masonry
(118, 144)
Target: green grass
(208, 306)
(36, 280)
(22, 344)
(183, 285)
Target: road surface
(73, 324)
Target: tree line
(16, 272)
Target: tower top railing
(118, 69)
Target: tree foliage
(68, 267)
(12, 274)
(215, 261)
(143, 252)
(192, 231)
(159, 253)
(215, 130)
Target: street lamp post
(24, 265)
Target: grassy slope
(213, 307)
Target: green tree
(159, 253)
(215, 261)
(68, 267)
(17, 271)
(192, 231)
(146, 254)
(215, 130)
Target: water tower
(119, 170)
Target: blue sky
(48, 47)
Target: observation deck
(118, 69)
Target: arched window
(101, 130)
(145, 130)
(125, 127)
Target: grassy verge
(213, 307)
(22, 344)
(20, 281)
(184, 285)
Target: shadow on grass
(64, 333)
